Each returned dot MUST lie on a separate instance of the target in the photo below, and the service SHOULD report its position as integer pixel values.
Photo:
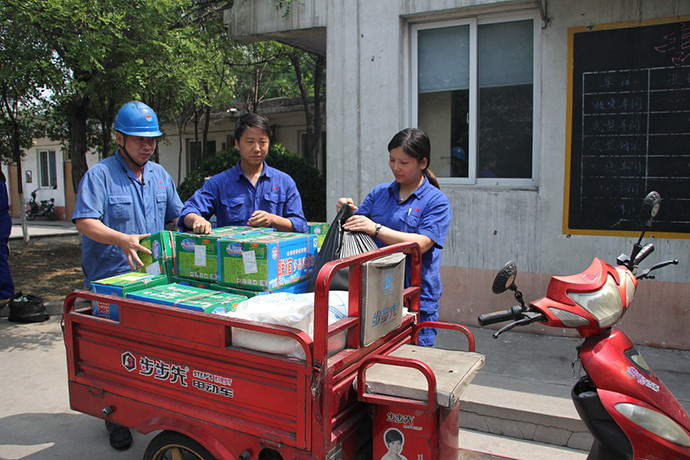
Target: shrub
(310, 182)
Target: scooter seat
(454, 370)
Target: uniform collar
(265, 171)
(394, 189)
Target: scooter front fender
(646, 444)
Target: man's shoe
(120, 436)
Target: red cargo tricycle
(176, 371)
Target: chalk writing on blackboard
(630, 132)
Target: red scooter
(629, 411)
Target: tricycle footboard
(254, 393)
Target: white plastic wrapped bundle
(287, 309)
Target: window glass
(444, 58)
(505, 100)
(47, 166)
(479, 127)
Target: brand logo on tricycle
(407, 420)
(129, 361)
(157, 369)
(388, 283)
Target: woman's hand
(347, 201)
(359, 223)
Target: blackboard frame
(596, 214)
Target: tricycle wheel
(170, 445)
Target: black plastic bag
(27, 309)
(338, 244)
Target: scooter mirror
(650, 208)
(505, 279)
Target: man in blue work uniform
(252, 193)
(122, 199)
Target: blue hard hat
(458, 152)
(137, 119)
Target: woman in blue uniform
(411, 208)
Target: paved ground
(42, 228)
(36, 422)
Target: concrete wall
(368, 49)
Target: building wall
(369, 101)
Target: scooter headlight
(629, 289)
(605, 304)
(656, 422)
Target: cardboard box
(161, 261)
(189, 297)
(266, 262)
(120, 286)
(200, 284)
(320, 229)
(297, 288)
(196, 256)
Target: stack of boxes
(214, 272)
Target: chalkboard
(629, 127)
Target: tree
(24, 74)
(310, 68)
(107, 41)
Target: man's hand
(130, 245)
(261, 219)
(199, 225)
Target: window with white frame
(47, 168)
(474, 93)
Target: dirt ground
(49, 267)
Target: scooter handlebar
(512, 314)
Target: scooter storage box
(161, 261)
(120, 286)
(431, 433)
(382, 296)
(189, 297)
(266, 262)
(197, 255)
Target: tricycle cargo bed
(164, 368)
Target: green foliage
(25, 70)
(310, 183)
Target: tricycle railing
(322, 286)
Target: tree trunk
(78, 115)
(204, 136)
(17, 155)
(318, 97)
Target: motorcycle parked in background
(629, 411)
(46, 208)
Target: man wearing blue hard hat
(121, 200)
